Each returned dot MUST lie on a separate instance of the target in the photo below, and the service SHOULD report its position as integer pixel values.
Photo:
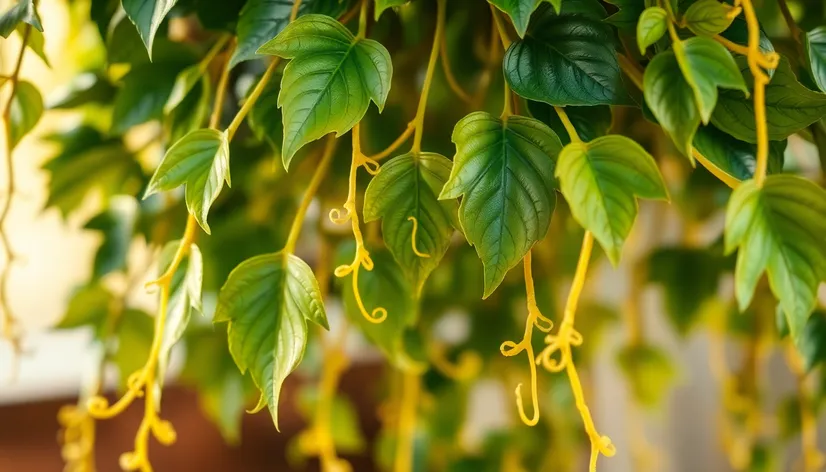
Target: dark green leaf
(147, 16)
(601, 181)
(567, 59)
(192, 112)
(85, 88)
(268, 300)
(812, 344)
(409, 186)
(330, 80)
(503, 168)
(117, 225)
(736, 158)
(519, 11)
(651, 27)
(780, 229)
(814, 43)
(671, 100)
(590, 122)
(26, 110)
(790, 107)
(142, 97)
(22, 12)
(265, 119)
(382, 5)
(262, 20)
(200, 160)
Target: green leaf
(147, 15)
(649, 371)
(262, 20)
(707, 65)
(628, 15)
(671, 100)
(790, 107)
(88, 162)
(84, 88)
(89, 306)
(36, 42)
(601, 181)
(330, 80)
(567, 59)
(184, 296)
(651, 27)
(26, 110)
(187, 80)
(343, 420)
(267, 300)
(221, 389)
(503, 168)
(589, 122)
(382, 5)
(690, 278)
(264, 118)
(200, 160)
(22, 12)
(117, 223)
(736, 158)
(134, 335)
(708, 17)
(191, 113)
(384, 286)
(408, 186)
(780, 229)
(519, 12)
(142, 97)
(812, 343)
(814, 43)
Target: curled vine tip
(337, 218)
(370, 165)
(164, 432)
(413, 237)
(520, 407)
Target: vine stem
(252, 99)
(411, 384)
(220, 94)
(312, 188)
(362, 20)
(636, 76)
(418, 121)
(8, 319)
(451, 79)
(510, 348)
(569, 127)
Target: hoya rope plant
(222, 134)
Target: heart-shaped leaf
(651, 27)
(706, 65)
(200, 160)
(26, 110)
(520, 11)
(708, 17)
(779, 229)
(790, 107)
(330, 80)
(503, 168)
(567, 59)
(267, 301)
(671, 100)
(814, 43)
(408, 187)
(601, 181)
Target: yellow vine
(411, 384)
(362, 257)
(510, 348)
(8, 322)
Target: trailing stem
(8, 322)
(510, 348)
(411, 385)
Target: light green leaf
(142, 97)
(36, 42)
(790, 107)
(134, 335)
(601, 181)
(184, 296)
(503, 168)
(519, 11)
(780, 229)
(330, 80)
(26, 110)
(184, 83)
(384, 286)
(567, 59)
(117, 223)
(706, 65)
(382, 5)
(408, 186)
(268, 300)
(671, 100)
(22, 12)
(200, 160)
(814, 43)
(262, 20)
(147, 15)
(736, 158)
(89, 306)
(651, 27)
(708, 17)
(649, 371)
